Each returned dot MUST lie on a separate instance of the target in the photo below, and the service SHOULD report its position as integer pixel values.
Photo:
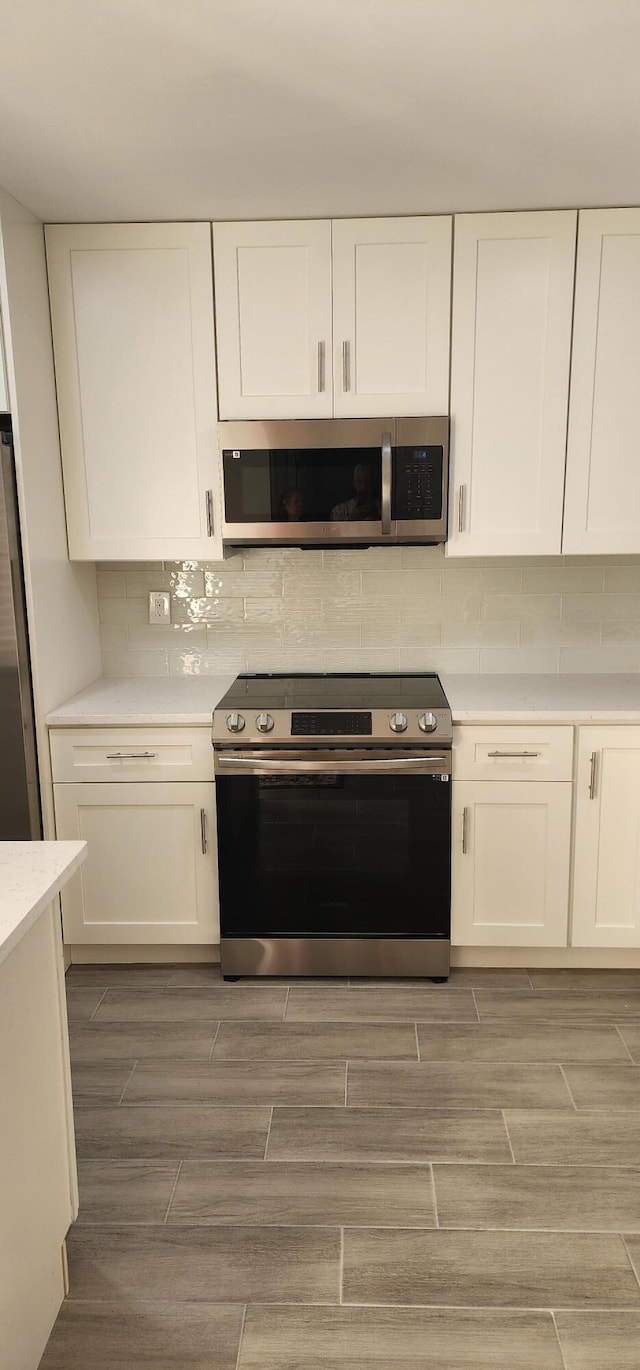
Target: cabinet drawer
(523, 753)
(79, 754)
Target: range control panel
(331, 724)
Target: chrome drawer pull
(346, 366)
(461, 508)
(320, 367)
(516, 754)
(465, 816)
(203, 831)
(130, 756)
(208, 504)
(592, 777)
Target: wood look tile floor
(351, 1176)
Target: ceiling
(222, 109)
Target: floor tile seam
(242, 1323)
(341, 1268)
(434, 1197)
(92, 1015)
(173, 1190)
(268, 1136)
(286, 1004)
(503, 1112)
(215, 1038)
(127, 1083)
(336, 1226)
(616, 1026)
(549, 1309)
(543, 1309)
(569, 1090)
(415, 1028)
(346, 1085)
(636, 1271)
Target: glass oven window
(417, 483)
(334, 855)
(337, 485)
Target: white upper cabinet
(133, 335)
(273, 319)
(602, 506)
(512, 308)
(349, 318)
(391, 316)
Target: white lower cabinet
(510, 863)
(606, 881)
(151, 872)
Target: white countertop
(543, 698)
(143, 700)
(31, 874)
(167, 700)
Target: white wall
(61, 596)
(389, 608)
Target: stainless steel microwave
(295, 482)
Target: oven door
(334, 843)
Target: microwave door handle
(386, 483)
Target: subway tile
(369, 658)
(380, 612)
(600, 606)
(501, 580)
(320, 635)
(121, 663)
(362, 559)
(608, 660)
(306, 1193)
(422, 607)
(480, 634)
(430, 558)
(487, 1269)
(186, 584)
(123, 611)
(203, 611)
(563, 579)
(113, 637)
(153, 635)
(622, 579)
(281, 558)
(519, 660)
(233, 584)
(400, 1339)
(303, 583)
(621, 631)
(205, 1263)
(405, 584)
(139, 584)
(281, 610)
(218, 661)
(279, 658)
(581, 634)
(402, 635)
(456, 660)
(123, 1333)
(524, 608)
(559, 1198)
(130, 566)
(110, 584)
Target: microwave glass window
(336, 485)
(417, 483)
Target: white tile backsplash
(376, 609)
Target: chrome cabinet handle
(203, 832)
(512, 754)
(346, 366)
(465, 819)
(461, 508)
(208, 496)
(255, 765)
(130, 756)
(320, 367)
(592, 777)
(386, 483)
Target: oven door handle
(253, 765)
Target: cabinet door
(151, 870)
(512, 304)
(606, 875)
(133, 336)
(602, 506)
(510, 867)
(273, 319)
(391, 316)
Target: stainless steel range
(334, 825)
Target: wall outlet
(159, 607)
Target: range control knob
(398, 723)
(427, 723)
(235, 723)
(264, 723)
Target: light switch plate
(159, 607)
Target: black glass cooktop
(333, 691)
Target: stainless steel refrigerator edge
(20, 818)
